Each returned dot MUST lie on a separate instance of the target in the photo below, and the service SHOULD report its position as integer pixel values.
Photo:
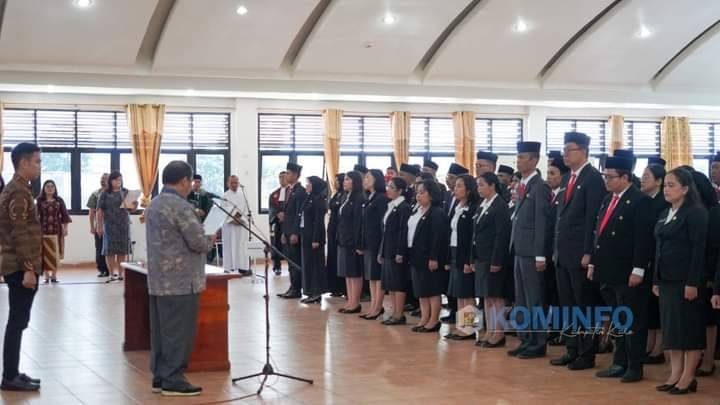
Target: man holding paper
(235, 236)
(176, 249)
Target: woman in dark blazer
(651, 183)
(712, 251)
(393, 249)
(462, 281)
(372, 215)
(350, 263)
(428, 243)
(335, 284)
(312, 228)
(492, 267)
(680, 237)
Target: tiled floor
(75, 336)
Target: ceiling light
(644, 32)
(82, 3)
(520, 25)
(241, 10)
(369, 45)
(389, 19)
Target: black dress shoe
(614, 371)
(563, 361)
(292, 295)
(527, 354)
(395, 321)
(517, 351)
(373, 317)
(581, 364)
(659, 359)
(29, 379)
(430, 330)
(682, 391)
(277, 272)
(355, 310)
(187, 391)
(416, 328)
(632, 376)
(18, 384)
(282, 295)
(704, 373)
(461, 337)
(488, 345)
(665, 387)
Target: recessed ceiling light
(83, 3)
(241, 10)
(389, 19)
(520, 25)
(369, 44)
(644, 32)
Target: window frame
(714, 141)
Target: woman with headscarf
(350, 262)
(312, 228)
(428, 232)
(335, 284)
(373, 211)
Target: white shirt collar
(619, 195)
(578, 171)
(487, 203)
(527, 179)
(556, 191)
(655, 194)
(394, 203)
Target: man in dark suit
(276, 217)
(629, 155)
(291, 228)
(505, 174)
(574, 227)
(623, 249)
(528, 243)
(556, 174)
(715, 173)
(487, 162)
(450, 202)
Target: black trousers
(630, 348)
(99, 258)
(294, 253)
(575, 290)
(173, 324)
(277, 243)
(20, 301)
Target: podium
(210, 351)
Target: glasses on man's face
(609, 176)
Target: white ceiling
(207, 47)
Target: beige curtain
(675, 141)
(617, 129)
(2, 133)
(400, 124)
(146, 127)
(332, 123)
(464, 125)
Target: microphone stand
(268, 369)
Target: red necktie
(608, 214)
(522, 191)
(570, 187)
(552, 196)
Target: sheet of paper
(214, 220)
(131, 197)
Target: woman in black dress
(680, 237)
(712, 250)
(335, 284)
(462, 280)
(312, 228)
(393, 249)
(350, 262)
(428, 243)
(493, 271)
(651, 183)
(373, 211)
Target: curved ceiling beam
(575, 38)
(683, 53)
(298, 44)
(3, 3)
(422, 67)
(154, 32)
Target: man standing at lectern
(176, 249)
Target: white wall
(244, 158)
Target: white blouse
(453, 224)
(670, 216)
(412, 226)
(391, 206)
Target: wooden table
(210, 352)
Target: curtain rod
(413, 113)
(116, 107)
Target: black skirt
(428, 283)
(461, 285)
(372, 271)
(683, 322)
(350, 264)
(492, 285)
(395, 276)
(314, 281)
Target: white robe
(235, 237)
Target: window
(555, 130)
(705, 141)
(7, 170)
(270, 166)
(643, 138)
(95, 142)
(212, 167)
(434, 139)
(499, 136)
